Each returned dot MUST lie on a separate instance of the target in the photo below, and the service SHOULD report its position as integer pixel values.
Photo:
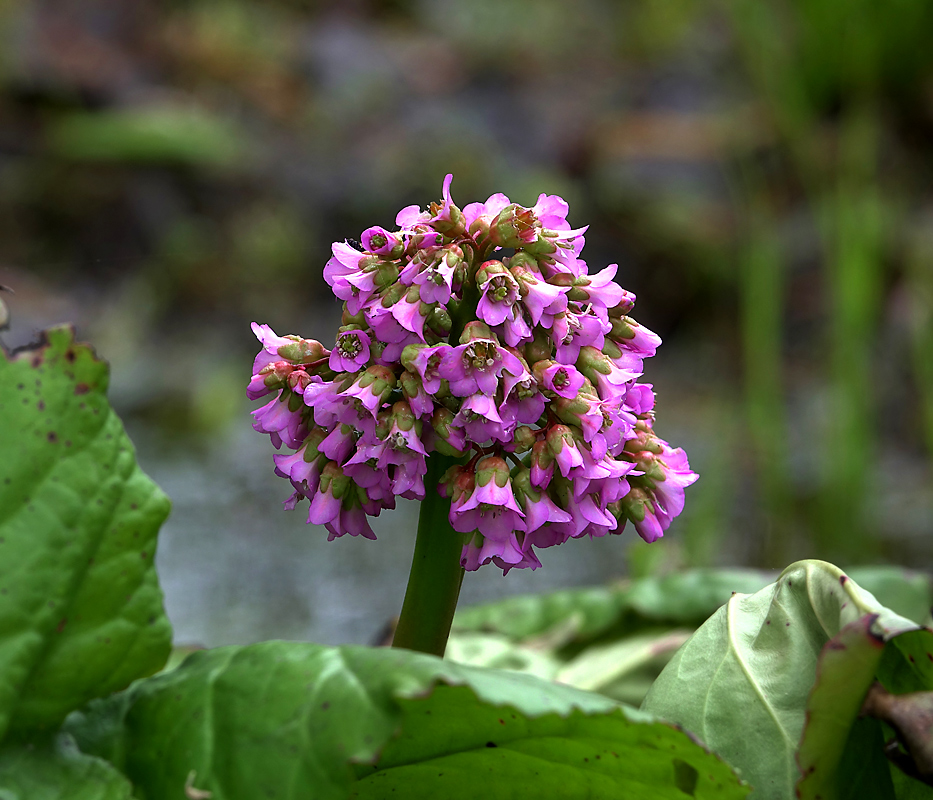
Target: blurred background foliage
(761, 170)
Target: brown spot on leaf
(61, 625)
(70, 355)
(52, 437)
(82, 388)
(842, 580)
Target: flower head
(481, 335)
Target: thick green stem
(436, 574)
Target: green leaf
(57, 770)
(904, 591)
(582, 614)
(296, 720)
(601, 666)
(742, 682)
(80, 607)
(500, 652)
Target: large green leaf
(80, 607)
(57, 770)
(295, 720)
(742, 682)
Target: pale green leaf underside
(741, 683)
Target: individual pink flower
(499, 293)
(476, 367)
(426, 361)
(480, 420)
(351, 352)
(491, 507)
(380, 241)
(561, 379)
(283, 425)
(572, 331)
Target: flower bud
(633, 504)
(523, 439)
(298, 381)
(393, 294)
(524, 261)
(621, 330)
(439, 321)
(275, 374)
(302, 351)
(592, 362)
(513, 226)
(626, 304)
(348, 320)
(611, 349)
(542, 464)
(540, 349)
(332, 478)
(382, 242)
(477, 330)
(457, 481)
(449, 440)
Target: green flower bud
(514, 226)
(477, 330)
(523, 439)
(302, 351)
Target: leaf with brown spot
(70, 578)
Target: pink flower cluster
(478, 334)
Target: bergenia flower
(351, 352)
(479, 335)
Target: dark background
(761, 170)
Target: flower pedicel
(522, 367)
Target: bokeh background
(761, 170)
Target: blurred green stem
(921, 328)
(852, 221)
(436, 574)
(762, 307)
